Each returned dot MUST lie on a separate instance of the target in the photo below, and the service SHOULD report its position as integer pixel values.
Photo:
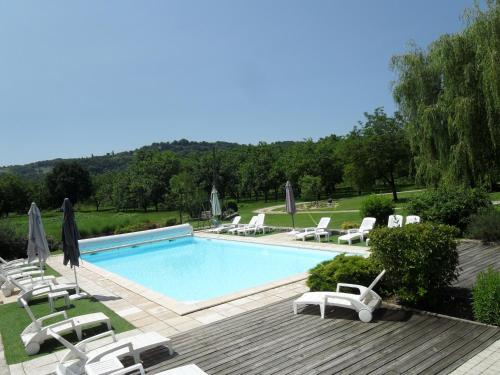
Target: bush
(420, 260)
(136, 227)
(170, 222)
(12, 243)
(347, 269)
(449, 205)
(485, 226)
(231, 204)
(349, 225)
(379, 207)
(486, 297)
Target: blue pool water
(195, 269)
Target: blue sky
(90, 77)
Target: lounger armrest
(126, 370)
(43, 318)
(353, 286)
(96, 337)
(353, 230)
(111, 350)
(310, 229)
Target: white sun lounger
(314, 232)
(412, 219)
(251, 223)
(7, 287)
(35, 333)
(30, 291)
(358, 233)
(16, 262)
(225, 227)
(256, 227)
(79, 355)
(17, 269)
(363, 303)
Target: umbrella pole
(76, 281)
(293, 222)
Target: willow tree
(449, 95)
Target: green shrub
(12, 243)
(231, 204)
(485, 226)
(379, 207)
(136, 227)
(346, 269)
(349, 225)
(486, 297)
(420, 260)
(449, 205)
(170, 222)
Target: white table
(53, 296)
(104, 367)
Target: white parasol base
(80, 295)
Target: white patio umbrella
(37, 242)
(214, 202)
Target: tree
(378, 150)
(329, 162)
(102, 188)
(310, 187)
(185, 195)
(68, 180)
(14, 194)
(150, 173)
(449, 94)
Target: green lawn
(14, 319)
(94, 223)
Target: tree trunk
(393, 188)
(266, 193)
(180, 216)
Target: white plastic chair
(363, 303)
(251, 223)
(395, 221)
(36, 334)
(321, 228)
(412, 219)
(79, 355)
(225, 227)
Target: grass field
(13, 319)
(92, 223)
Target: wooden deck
(271, 340)
(474, 258)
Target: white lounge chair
(20, 275)
(412, 219)
(7, 287)
(30, 291)
(363, 303)
(316, 232)
(16, 262)
(79, 355)
(240, 226)
(225, 227)
(358, 233)
(256, 227)
(17, 269)
(36, 334)
(395, 221)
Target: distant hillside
(115, 161)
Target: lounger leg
(322, 310)
(294, 308)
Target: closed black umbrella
(70, 238)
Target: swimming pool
(194, 269)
